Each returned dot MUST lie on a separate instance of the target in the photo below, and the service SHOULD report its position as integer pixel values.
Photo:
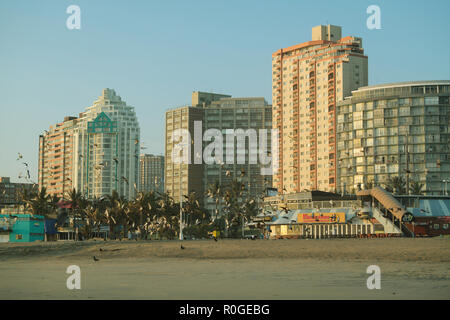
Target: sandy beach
(228, 269)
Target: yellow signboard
(321, 217)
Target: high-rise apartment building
(399, 129)
(222, 113)
(185, 177)
(107, 148)
(95, 153)
(56, 171)
(182, 178)
(245, 114)
(151, 173)
(308, 80)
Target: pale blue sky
(155, 53)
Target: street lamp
(181, 208)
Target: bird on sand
(95, 259)
(215, 239)
(182, 247)
(101, 249)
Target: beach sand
(228, 269)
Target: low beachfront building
(21, 228)
(322, 223)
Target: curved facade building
(399, 129)
(106, 148)
(96, 153)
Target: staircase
(389, 226)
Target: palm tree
(77, 204)
(38, 203)
(232, 197)
(396, 185)
(416, 188)
(214, 191)
(53, 202)
(115, 212)
(167, 220)
(143, 208)
(192, 209)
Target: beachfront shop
(21, 228)
(323, 223)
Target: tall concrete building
(56, 153)
(96, 153)
(10, 192)
(307, 80)
(238, 113)
(151, 177)
(220, 112)
(399, 129)
(181, 178)
(184, 178)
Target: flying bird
(20, 156)
(242, 172)
(228, 173)
(125, 179)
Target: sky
(155, 53)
